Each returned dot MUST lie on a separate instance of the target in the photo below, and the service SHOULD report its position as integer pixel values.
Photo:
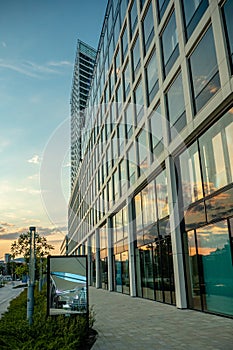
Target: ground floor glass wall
(209, 267)
(155, 276)
(121, 272)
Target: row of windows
(205, 82)
(204, 77)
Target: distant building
(83, 71)
(152, 193)
(7, 258)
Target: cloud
(35, 159)
(4, 44)
(33, 69)
(3, 229)
(7, 224)
(67, 165)
(28, 190)
(60, 63)
(33, 177)
(3, 144)
(9, 235)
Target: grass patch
(46, 333)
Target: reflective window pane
(162, 5)
(136, 58)
(139, 102)
(156, 132)
(133, 15)
(228, 13)
(126, 80)
(162, 195)
(193, 11)
(142, 146)
(190, 175)
(152, 80)
(216, 263)
(132, 165)
(204, 69)
(148, 28)
(216, 154)
(124, 43)
(170, 44)
(129, 120)
(176, 107)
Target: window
(124, 43)
(126, 80)
(131, 165)
(115, 177)
(156, 133)
(162, 5)
(119, 99)
(129, 120)
(190, 175)
(111, 82)
(122, 177)
(124, 5)
(142, 146)
(170, 44)
(117, 65)
(148, 28)
(217, 154)
(176, 107)
(152, 81)
(162, 195)
(148, 204)
(204, 70)
(133, 15)
(193, 11)
(121, 137)
(136, 59)
(142, 2)
(228, 13)
(117, 28)
(139, 103)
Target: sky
(37, 52)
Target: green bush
(46, 333)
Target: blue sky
(37, 51)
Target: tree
(21, 247)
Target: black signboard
(67, 285)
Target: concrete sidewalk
(126, 323)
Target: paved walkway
(126, 323)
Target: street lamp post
(31, 284)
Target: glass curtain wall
(103, 256)
(120, 252)
(206, 174)
(93, 261)
(154, 264)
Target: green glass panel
(214, 251)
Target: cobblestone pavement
(123, 322)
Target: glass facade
(176, 106)
(204, 70)
(193, 11)
(148, 28)
(208, 244)
(156, 162)
(170, 45)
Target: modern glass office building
(83, 71)
(152, 201)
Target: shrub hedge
(46, 333)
